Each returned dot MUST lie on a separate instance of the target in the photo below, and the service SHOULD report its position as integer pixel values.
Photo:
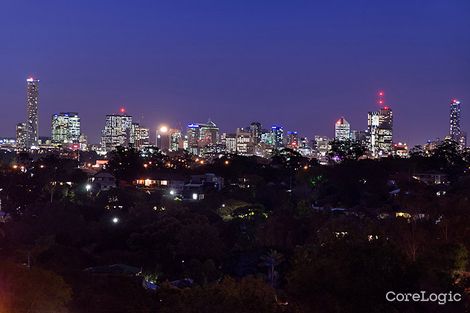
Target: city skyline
(301, 66)
(32, 96)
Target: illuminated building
(304, 147)
(244, 143)
(163, 138)
(463, 140)
(322, 149)
(430, 146)
(455, 131)
(140, 136)
(359, 136)
(401, 150)
(21, 136)
(83, 142)
(342, 130)
(32, 103)
(202, 137)
(278, 137)
(230, 142)
(65, 128)
(267, 137)
(255, 130)
(380, 130)
(176, 140)
(292, 140)
(117, 131)
(169, 139)
(209, 134)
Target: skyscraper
(169, 139)
(278, 136)
(20, 136)
(202, 137)
(32, 101)
(292, 140)
(455, 132)
(342, 130)
(176, 139)
(65, 128)
(244, 143)
(140, 136)
(380, 131)
(255, 130)
(322, 149)
(117, 131)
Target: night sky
(299, 64)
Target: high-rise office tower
(65, 128)
(255, 130)
(455, 131)
(202, 136)
(385, 130)
(244, 142)
(140, 136)
(169, 139)
(322, 149)
(292, 140)
(32, 102)
(380, 129)
(21, 136)
(117, 131)
(342, 130)
(278, 136)
(230, 142)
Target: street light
(88, 187)
(115, 220)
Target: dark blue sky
(300, 64)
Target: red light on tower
(122, 110)
(381, 98)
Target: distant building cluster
(206, 139)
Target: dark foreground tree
(32, 290)
(249, 295)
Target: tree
(248, 295)
(32, 290)
(271, 260)
(125, 163)
(346, 150)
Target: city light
(163, 129)
(115, 220)
(88, 187)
